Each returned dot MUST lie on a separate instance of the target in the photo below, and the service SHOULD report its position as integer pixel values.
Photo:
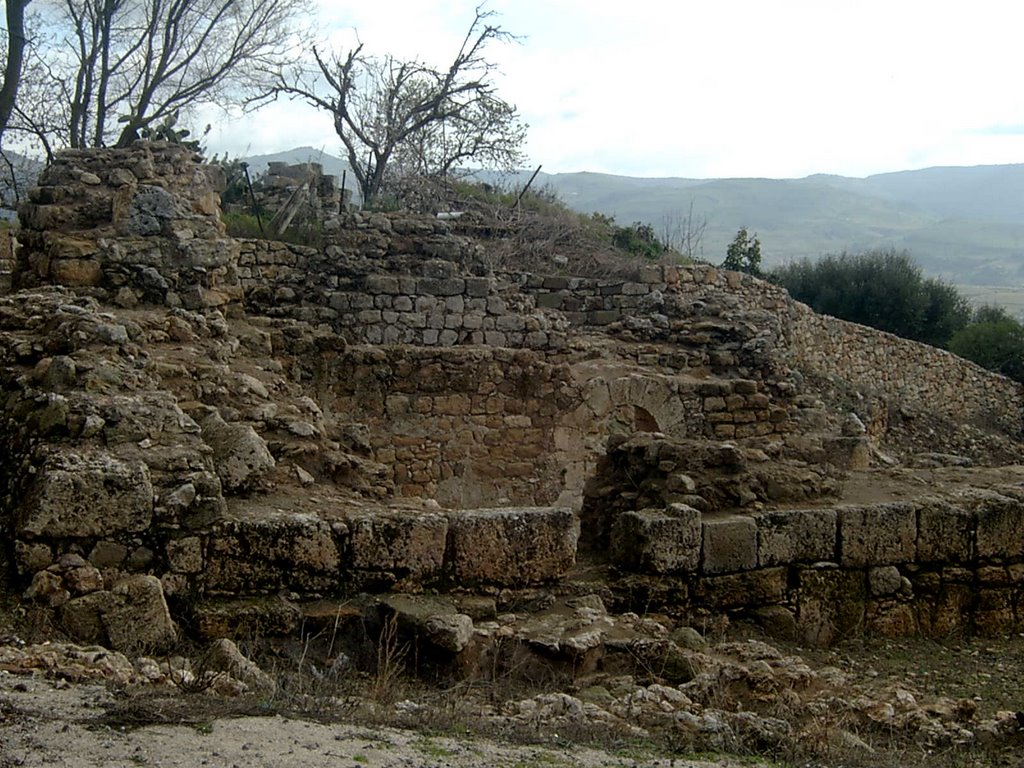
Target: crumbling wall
(7, 259)
(130, 226)
(663, 512)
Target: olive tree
(395, 116)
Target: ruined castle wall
(466, 427)
(7, 248)
(930, 380)
(129, 226)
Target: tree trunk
(15, 56)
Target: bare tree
(392, 114)
(16, 42)
(684, 232)
(111, 69)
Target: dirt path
(44, 725)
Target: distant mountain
(964, 224)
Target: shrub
(993, 340)
(884, 289)
(744, 254)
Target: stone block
(511, 547)
(892, 619)
(652, 541)
(603, 316)
(995, 612)
(884, 581)
(880, 534)
(140, 622)
(385, 284)
(831, 603)
(265, 551)
(406, 544)
(1000, 532)
(945, 532)
(440, 286)
(248, 618)
(730, 543)
(132, 617)
(765, 586)
(797, 535)
(185, 555)
(86, 494)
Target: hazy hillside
(966, 224)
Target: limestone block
(86, 494)
(434, 618)
(891, 619)
(185, 555)
(730, 543)
(140, 620)
(831, 603)
(143, 210)
(945, 532)
(880, 534)
(995, 612)
(511, 547)
(82, 618)
(651, 541)
(1000, 531)
(240, 455)
(76, 272)
(765, 586)
(796, 535)
(132, 616)
(403, 543)
(884, 581)
(250, 617)
(224, 656)
(271, 550)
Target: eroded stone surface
(86, 493)
(514, 547)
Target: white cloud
(733, 87)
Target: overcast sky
(712, 88)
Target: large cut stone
(86, 494)
(656, 541)
(406, 544)
(133, 617)
(269, 551)
(945, 532)
(730, 543)
(796, 535)
(880, 534)
(511, 547)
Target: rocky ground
(907, 702)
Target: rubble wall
(7, 248)
(129, 226)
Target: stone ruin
(248, 437)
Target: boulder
(240, 455)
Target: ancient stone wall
(138, 225)
(926, 379)
(935, 564)
(432, 304)
(7, 258)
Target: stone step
(343, 551)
